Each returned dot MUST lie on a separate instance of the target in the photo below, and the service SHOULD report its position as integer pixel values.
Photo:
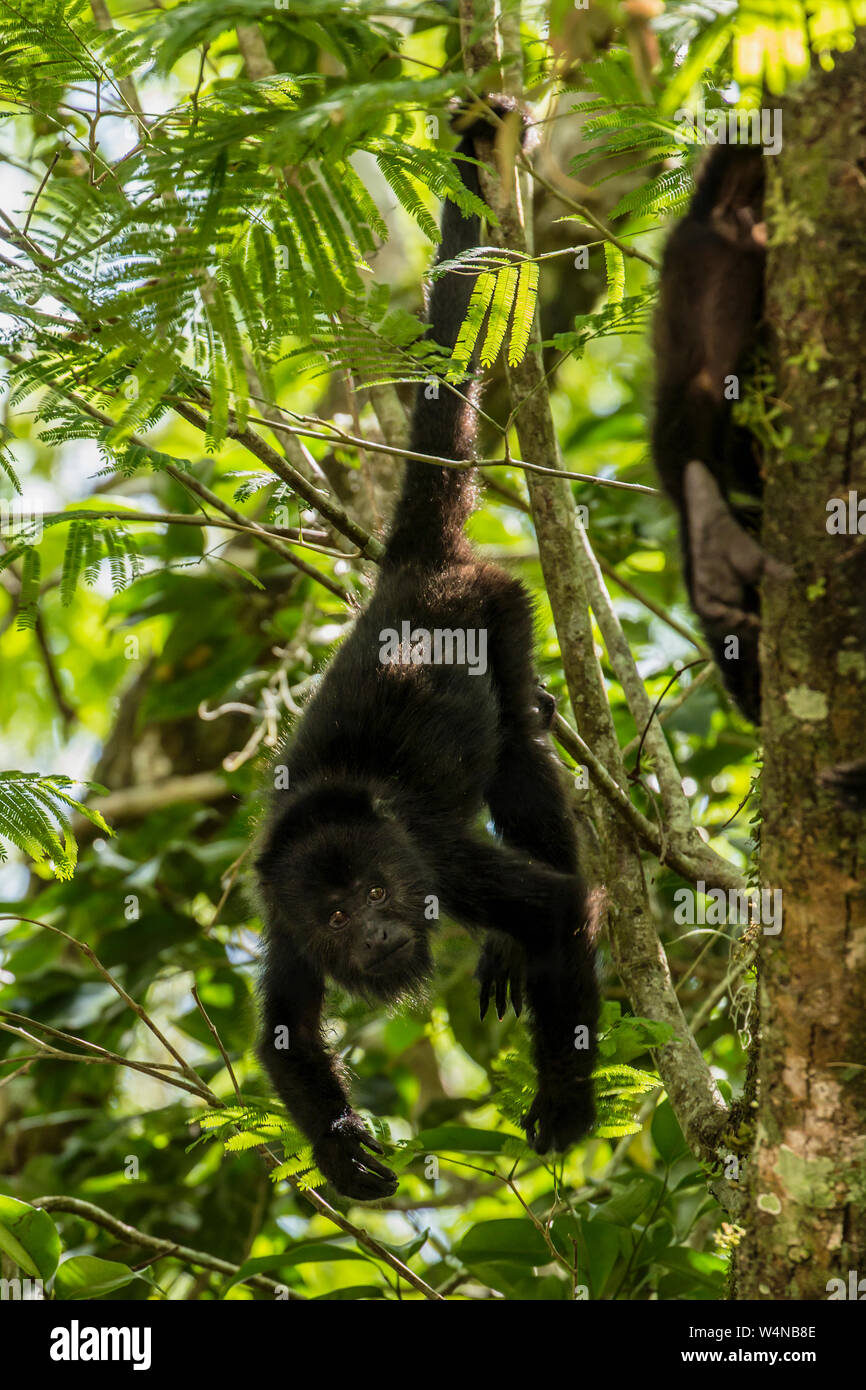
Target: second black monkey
(707, 326)
(710, 306)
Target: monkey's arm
(491, 886)
(307, 1079)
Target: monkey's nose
(382, 939)
(379, 934)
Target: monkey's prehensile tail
(427, 528)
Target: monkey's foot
(341, 1157)
(726, 561)
(500, 968)
(847, 781)
(559, 1118)
(546, 705)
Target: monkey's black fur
(710, 305)
(708, 322)
(388, 772)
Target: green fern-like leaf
(301, 1170)
(667, 192)
(407, 196)
(616, 1088)
(309, 233)
(482, 295)
(524, 312)
(28, 599)
(337, 246)
(355, 203)
(8, 467)
(631, 315)
(614, 265)
(73, 559)
(500, 312)
(34, 817)
(703, 52)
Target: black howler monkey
(388, 771)
(710, 305)
(707, 324)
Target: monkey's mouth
(394, 954)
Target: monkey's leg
(529, 806)
(499, 889)
(522, 788)
(530, 811)
(525, 795)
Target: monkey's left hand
(342, 1156)
(559, 1116)
(501, 967)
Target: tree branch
(75, 1206)
(570, 577)
(188, 481)
(696, 862)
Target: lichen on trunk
(806, 1217)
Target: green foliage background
(241, 244)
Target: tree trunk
(806, 1214)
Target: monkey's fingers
(537, 1132)
(559, 1118)
(367, 1187)
(372, 1165)
(485, 985)
(373, 1174)
(369, 1142)
(516, 995)
(546, 706)
(501, 996)
(511, 982)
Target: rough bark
(806, 1220)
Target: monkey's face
(355, 895)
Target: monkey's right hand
(341, 1156)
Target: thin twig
(340, 436)
(583, 211)
(38, 194)
(93, 1052)
(131, 1003)
(192, 484)
(219, 1043)
(634, 775)
(162, 1249)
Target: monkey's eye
(377, 895)
(338, 919)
